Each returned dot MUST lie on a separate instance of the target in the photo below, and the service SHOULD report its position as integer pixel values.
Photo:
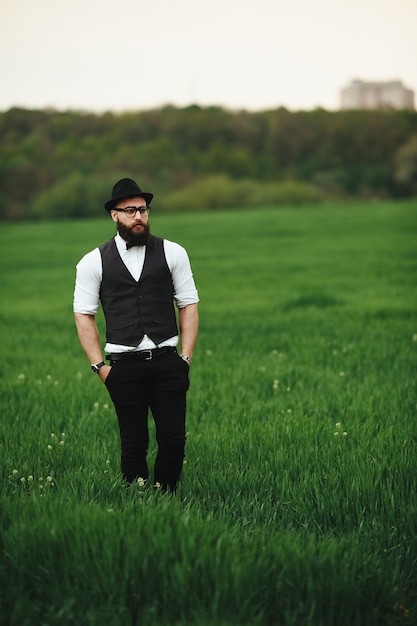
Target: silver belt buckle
(148, 358)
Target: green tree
(405, 171)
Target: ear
(114, 216)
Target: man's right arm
(90, 341)
(86, 303)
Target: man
(137, 277)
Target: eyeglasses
(132, 210)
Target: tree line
(63, 164)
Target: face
(135, 229)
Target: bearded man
(138, 278)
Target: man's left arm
(188, 321)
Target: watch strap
(96, 367)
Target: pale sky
(98, 55)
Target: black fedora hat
(126, 188)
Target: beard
(134, 239)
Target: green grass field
(298, 501)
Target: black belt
(142, 355)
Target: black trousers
(159, 384)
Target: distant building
(378, 95)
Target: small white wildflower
(49, 479)
(415, 337)
(336, 434)
(15, 472)
(288, 388)
(30, 479)
(49, 377)
(49, 447)
(157, 485)
(56, 382)
(62, 435)
(338, 425)
(21, 377)
(141, 482)
(62, 442)
(110, 511)
(344, 434)
(96, 406)
(53, 436)
(289, 410)
(108, 462)
(105, 406)
(209, 352)
(23, 479)
(341, 373)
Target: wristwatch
(95, 368)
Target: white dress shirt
(90, 272)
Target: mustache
(132, 238)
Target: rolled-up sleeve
(89, 272)
(185, 291)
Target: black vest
(135, 308)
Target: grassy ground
(298, 502)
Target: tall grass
(297, 504)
